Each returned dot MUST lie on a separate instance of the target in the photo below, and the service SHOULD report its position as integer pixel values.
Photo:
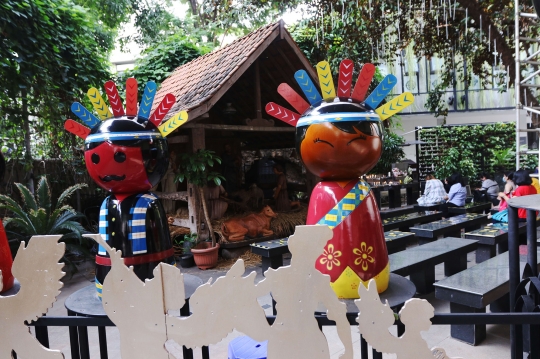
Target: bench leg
(468, 333)
(455, 265)
(396, 248)
(423, 280)
(501, 305)
(272, 262)
(425, 240)
(456, 234)
(484, 252)
(502, 247)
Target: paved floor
(497, 344)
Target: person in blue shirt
(456, 195)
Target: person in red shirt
(524, 187)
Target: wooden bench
(471, 290)
(471, 208)
(394, 212)
(450, 227)
(419, 262)
(272, 251)
(405, 221)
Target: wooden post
(197, 143)
(258, 105)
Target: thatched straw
(250, 260)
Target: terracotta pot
(205, 255)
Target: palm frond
(68, 192)
(25, 227)
(57, 212)
(44, 195)
(74, 228)
(39, 220)
(12, 206)
(63, 218)
(28, 198)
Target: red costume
(354, 251)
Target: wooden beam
(178, 139)
(240, 128)
(174, 196)
(258, 106)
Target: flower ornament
(364, 256)
(330, 257)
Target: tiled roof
(197, 81)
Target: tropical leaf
(68, 192)
(44, 195)
(12, 206)
(25, 227)
(28, 198)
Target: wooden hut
(225, 93)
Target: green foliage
(456, 161)
(51, 52)
(392, 152)
(503, 158)
(37, 215)
(470, 149)
(196, 168)
(378, 31)
(159, 60)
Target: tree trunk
(207, 217)
(28, 148)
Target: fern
(37, 216)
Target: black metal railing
(79, 342)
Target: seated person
(434, 192)
(524, 188)
(509, 187)
(457, 194)
(490, 187)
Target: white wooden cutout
(138, 308)
(37, 269)
(374, 319)
(231, 302)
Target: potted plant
(37, 215)
(196, 169)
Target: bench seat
(405, 221)
(450, 227)
(272, 251)
(471, 208)
(419, 262)
(393, 212)
(493, 236)
(471, 290)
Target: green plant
(37, 215)
(454, 160)
(502, 158)
(392, 152)
(196, 169)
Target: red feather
(76, 128)
(281, 113)
(164, 107)
(114, 99)
(362, 84)
(131, 97)
(345, 78)
(293, 98)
